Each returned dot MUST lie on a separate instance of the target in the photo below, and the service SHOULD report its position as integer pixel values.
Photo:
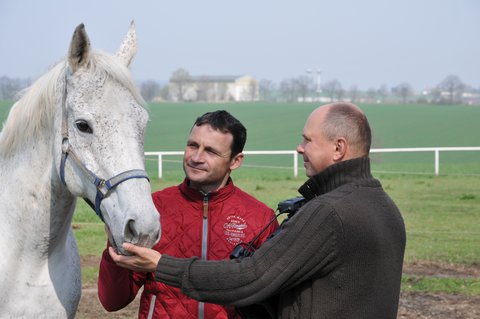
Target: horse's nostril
(130, 230)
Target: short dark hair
(224, 122)
(348, 121)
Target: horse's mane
(34, 112)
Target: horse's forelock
(33, 113)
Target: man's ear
(341, 148)
(236, 161)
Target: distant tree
(266, 89)
(149, 90)
(164, 92)
(287, 89)
(303, 85)
(341, 94)
(436, 94)
(9, 87)
(372, 95)
(404, 90)
(332, 88)
(180, 80)
(353, 93)
(454, 87)
(382, 93)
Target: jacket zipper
(201, 305)
(152, 307)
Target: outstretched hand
(142, 259)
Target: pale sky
(367, 43)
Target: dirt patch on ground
(430, 269)
(411, 306)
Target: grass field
(441, 213)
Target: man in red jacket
(205, 216)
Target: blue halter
(104, 187)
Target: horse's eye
(83, 126)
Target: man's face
(317, 151)
(207, 159)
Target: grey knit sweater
(339, 256)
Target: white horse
(79, 123)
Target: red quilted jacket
(193, 224)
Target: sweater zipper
(201, 305)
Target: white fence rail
(294, 155)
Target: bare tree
(287, 89)
(382, 93)
(332, 88)
(180, 79)
(341, 94)
(454, 86)
(372, 95)
(404, 90)
(266, 89)
(164, 92)
(149, 90)
(303, 86)
(10, 87)
(353, 93)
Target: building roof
(214, 78)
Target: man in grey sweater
(339, 256)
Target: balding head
(334, 133)
(348, 121)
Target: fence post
(160, 168)
(295, 163)
(437, 162)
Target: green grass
(441, 216)
(464, 286)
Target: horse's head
(100, 154)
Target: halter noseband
(104, 187)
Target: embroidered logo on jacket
(235, 229)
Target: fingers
(131, 248)
(142, 259)
(113, 254)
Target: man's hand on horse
(142, 259)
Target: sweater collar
(337, 175)
(218, 195)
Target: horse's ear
(79, 48)
(128, 48)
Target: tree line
(451, 90)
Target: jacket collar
(337, 175)
(218, 195)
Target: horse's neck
(37, 209)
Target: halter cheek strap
(103, 186)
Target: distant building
(216, 89)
